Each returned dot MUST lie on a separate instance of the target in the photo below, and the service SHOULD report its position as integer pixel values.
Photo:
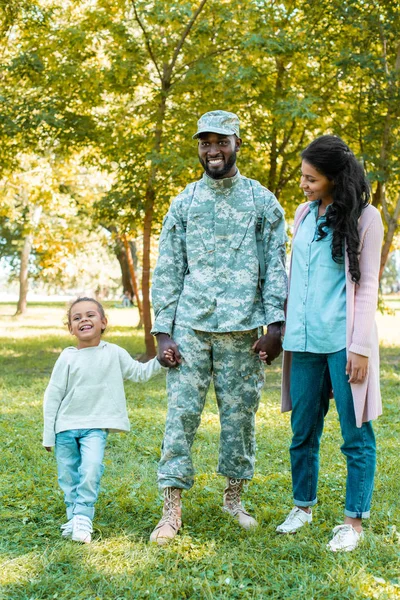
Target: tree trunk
(132, 273)
(23, 275)
(25, 254)
(147, 223)
(125, 274)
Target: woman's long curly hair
(331, 157)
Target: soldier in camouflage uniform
(210, 309)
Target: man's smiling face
(217, 154)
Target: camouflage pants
(238, 377)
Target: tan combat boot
(171, 521)
(233, 504)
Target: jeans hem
(306, 503)
(357, 515)
(86, 511)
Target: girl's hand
(269, 346)
(170, 356)
(166, 346)
(357, 367)
(49, 448)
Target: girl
(85, 400)
(331, 339)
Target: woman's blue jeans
(79, 454)
(312, 377)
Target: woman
(331, 339)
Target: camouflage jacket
(207, 273)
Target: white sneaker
(295, 519)
(66, 528)
(82, 529)
(345, 539)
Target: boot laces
(232, 495)
(172, 499)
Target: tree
(169, 62)
(367, 108)
(45, 220)
(122, 83)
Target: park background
(99, 100)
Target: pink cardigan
(361, 302)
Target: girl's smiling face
(315, 185)
(86, 323)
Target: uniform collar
(221, 184)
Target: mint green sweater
(86, 389)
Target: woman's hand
(357, 367)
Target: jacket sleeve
(274, 289)
(170, 271)
(53, 396)
(136, 371)
(366, 293)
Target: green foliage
(211, 558)
(119, 83)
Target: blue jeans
(79, 454)
(312, 377)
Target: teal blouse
(316, 311)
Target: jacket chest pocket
(200, 231)
(242, 224)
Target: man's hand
(168, 354)
(357, 367)
(49, 448)
(269, 346)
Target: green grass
(212, 558)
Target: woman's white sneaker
(295, 519)
(345, 539)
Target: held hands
(269, 346)
(356, 367)
(168, 353)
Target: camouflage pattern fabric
(238, 376)
(218, 121)
(207, 274)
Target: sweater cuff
(362, 350)
(162, 366)
(49, 441)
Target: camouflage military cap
(218, 121)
